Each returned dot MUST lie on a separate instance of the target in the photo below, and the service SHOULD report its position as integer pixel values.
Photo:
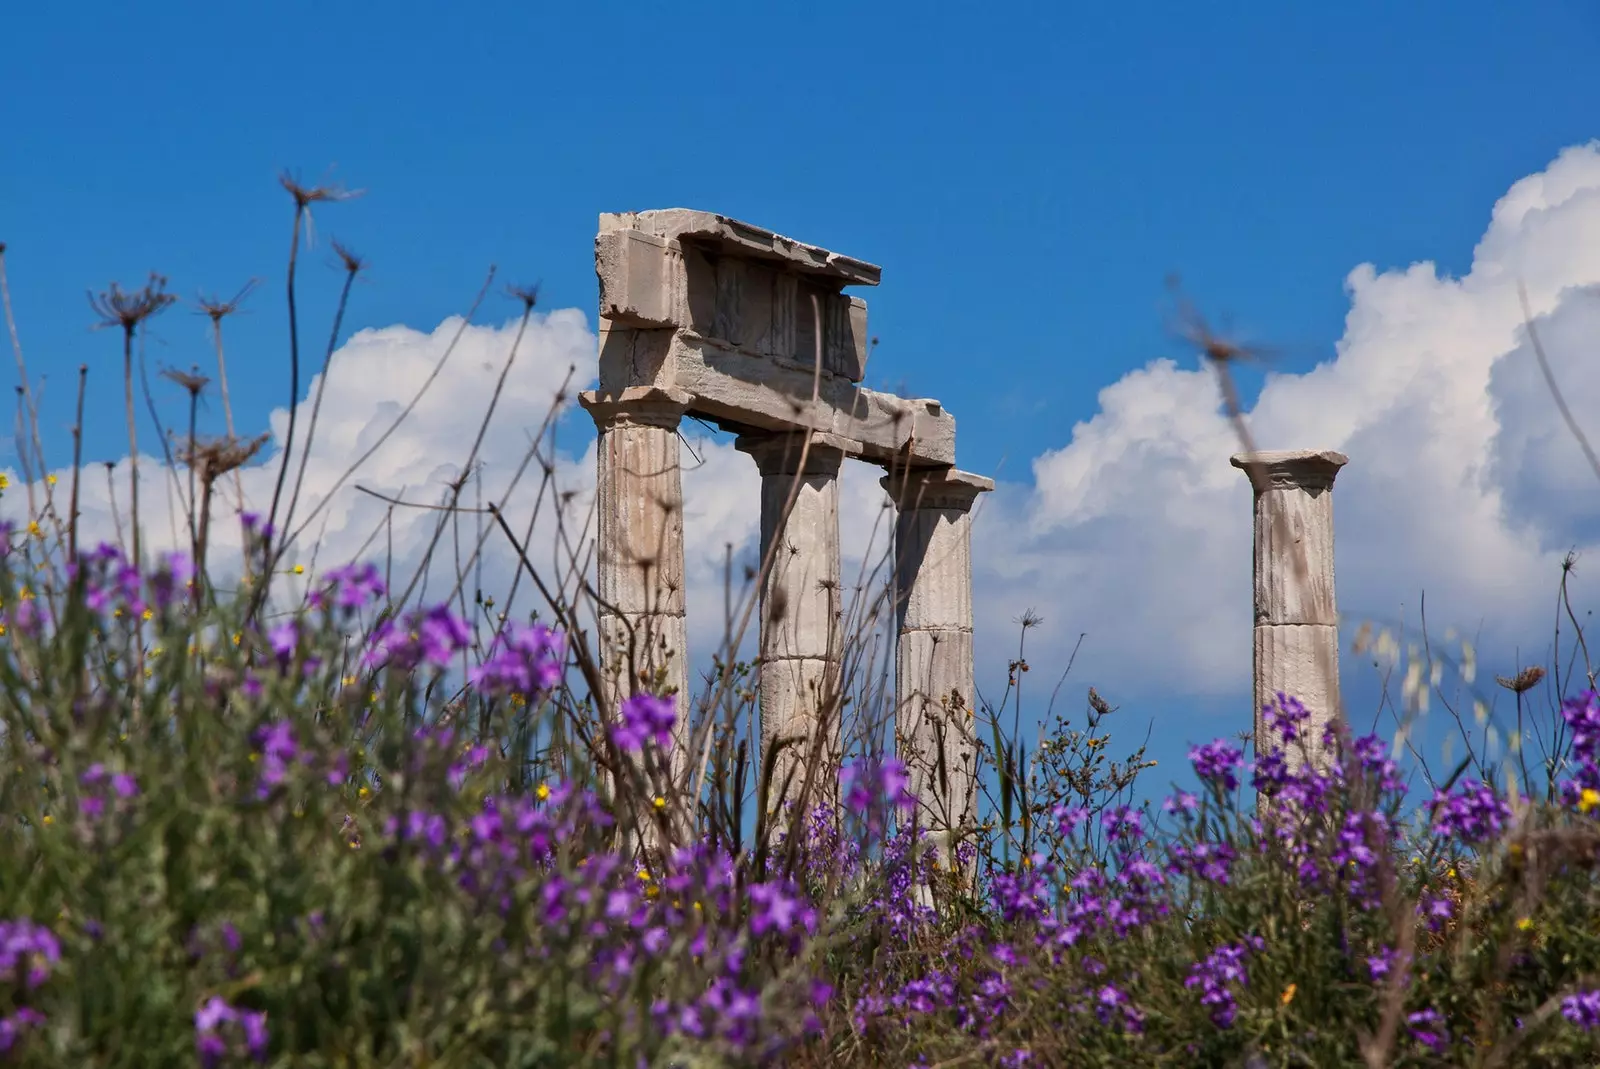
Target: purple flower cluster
(1582, 1009)
(99, 785)
(1427, 1026)
(13, 1028)
(278, 750)
(1582, 715)
(221, 1029)
(28, 954)
(1473, 813)
(1216, 762)
(1284, 715)
(349, 588)
(522, 660)
(1218, 974)
(430, 637)
(874, 789)
(644, 717)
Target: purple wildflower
(1215, 763)
(645, 717)
(1427, 1027)
(1582, 1009)
(29, 950)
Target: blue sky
(1027, 175)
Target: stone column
(639, 555)
(801, 638)
(933, 662)
(1296, 618)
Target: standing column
(933, 663)
(639, 556)
(1296, 618)
(801, 640)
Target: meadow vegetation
(362, 827)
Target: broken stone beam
(756, 329)
(1296, 617)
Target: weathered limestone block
(762, 395)
(736, 238)
(747, 299)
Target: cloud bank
(1463, 482)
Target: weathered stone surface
(1302, 661)
(743, 239)
(933, 537)
(934, 724)
(639, 534)
(800, 701)
(800, 591)
(1296, 615)
(933, 661)
(740, 392)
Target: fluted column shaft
(1296, 616)
(800, 606)
(639, 555)
(933, 661)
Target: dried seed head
(353, 263)
(217, 308)
(117, 307)
(190, 380)
(1523, 681)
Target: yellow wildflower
(299, 569)
(34, 529)
(364, 792)
(5, 481)
(1288, 995)
(48, 819)
(1524, 924)
(543, 792)
(149, 614)
(1588, 799)
(50, 480)
(659, 802)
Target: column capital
(779, 452)
(935, 488)
(648, 405)
(1291, 469)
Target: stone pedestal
(1296, 617)
(933, 664)
(800, 608)
(639, 555)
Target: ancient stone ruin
(701, 315)
(1296, 616)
